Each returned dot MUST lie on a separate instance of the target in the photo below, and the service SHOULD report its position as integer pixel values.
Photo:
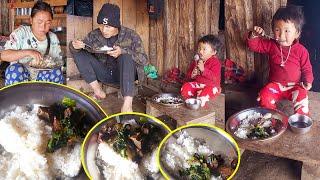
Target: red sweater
(297, 68)
(211, 74)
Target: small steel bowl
(300, 124)
(193, 103)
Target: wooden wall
(174, 36)
(134, 15)
(4, 18)
(241, 16)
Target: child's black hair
(290, 13)
(214, 41)
(41, 6)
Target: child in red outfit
(204, 71)
(290, 75)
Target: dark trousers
(120, 71)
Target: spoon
(269, 37)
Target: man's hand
(78, 44)
(306, 86)
(116, 52)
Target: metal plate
(214, 139)
(25, 94)
(234, 121)
(156, 97)
(91, 144)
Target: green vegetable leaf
(68, 102)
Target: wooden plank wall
(134, 15)
(73, 30)
(173, 37)
(170, 41)
(241, 16)
(4, 18)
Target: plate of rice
(198, 152)
(40, 133)
(124, 147)
(257, 124)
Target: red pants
(201, 91)
(273, 92)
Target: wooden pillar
(160, 45)
(129, 13)
(186, 34)
(202, 18)
(214, 16)
(153, 42)
(4, 17)
(171, 23)
(142, 24)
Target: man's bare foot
(98, 92)
(127, 104)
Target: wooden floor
(112, 104)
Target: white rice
(117, 167)
(245, 126)
(24, 138)
(149, 163)
(66, 161)
(178, 153)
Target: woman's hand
(257, 31)
(200, 65)
(36, 55)
(115, 52)
(78, 44)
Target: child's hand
(194, 72)
(257, 31)
(200, 65)
(306, 86)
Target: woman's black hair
(213, 40)
(41, 6)
(290, 13)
